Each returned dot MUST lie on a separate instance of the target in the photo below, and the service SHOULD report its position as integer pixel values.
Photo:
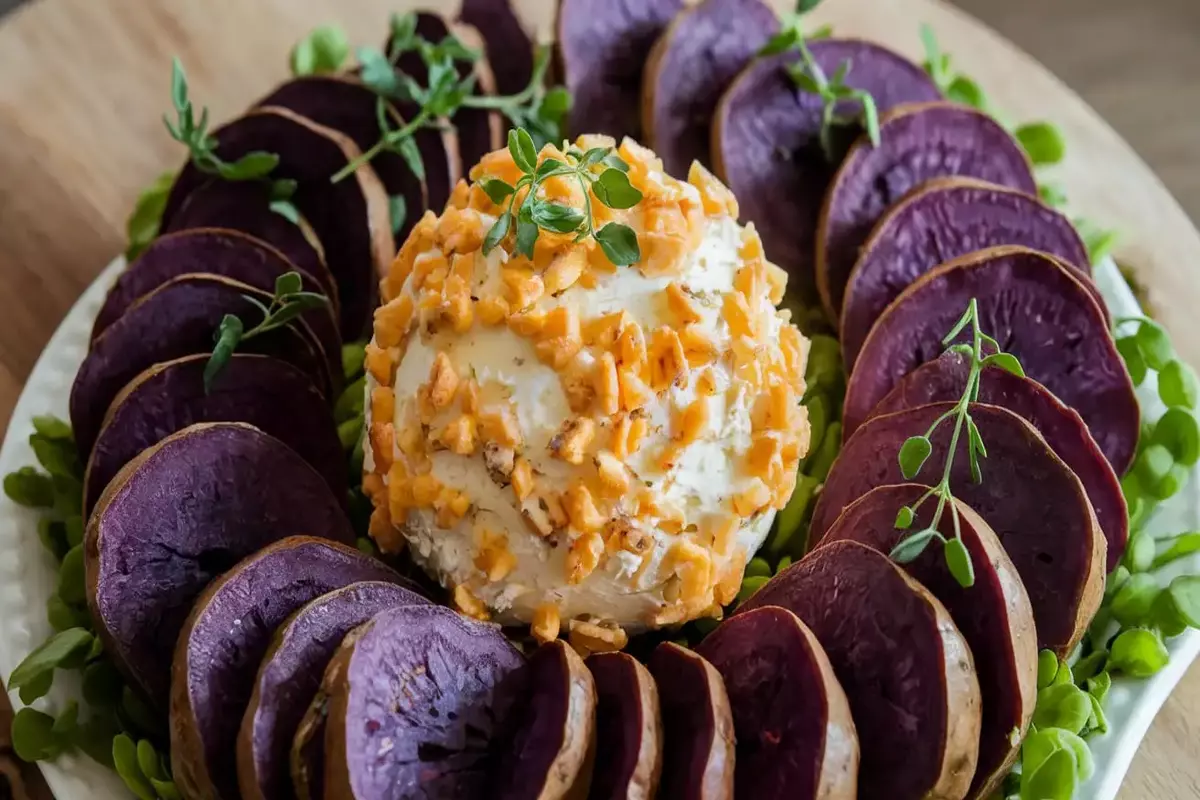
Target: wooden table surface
(83, 84)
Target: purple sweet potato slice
(290, 675)
(177, 516)
(944, 379)
(904, 666)
(508, 45)
(225, 638)
(246, 206)
(917, 142)
(629, 735)
(306, 759)
(601, 49)
(941, 220)
(265, 392)
(554, 746)
(993, 615)
(351, 217)
(698, 734)
(692, 63)
(1037, 310)
(178, 319)
(462, 684)
(478, 131)
(767, 149)
(1029, 497)
(213, 251)
(795, 735)
(345, 104)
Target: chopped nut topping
(468, 396)
(608, 390)
(632, 346)
(493, 557)
(730, 580)
(492, 310)
(383, 439)
(565, 271)
(614, 477)
(469, 605)
(499, 424)
(425, 490)
(522, 287)
(383, 403)
(558, 352)
(697, 346)
(499, 461)
(572, 440)
(753, 499)
(668, 362)
(581, 509)
(537, 516)
(460, 230)
(583, 557)
(429, 270)
(393, 320)
(662, 253)
(777, 280)
(451, 506)
(546, 623)
(706, 383)
(736, 313)
(602, 331)
(578, 383)
(693, 565)
(627, 435)
(443, 381)
(385, 535)
(634, 391)
(419, 240)
(522, 478)
(459, 435)
(596, 638)
(764, 453)
(691, 421)
(372, 485)
(399, 494)
(716, 196)
(379, 362)
(751, 281)
(460, 195)
(795, 355)
(681, 305)
(562, 321)
(622, 534)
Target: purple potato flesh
(509, 46)
(1037, 310)
(213, 251)
(1029, 497)
(941, 220)
(692, 63)
(602, 49)
(554, 745)
(179, 319)
(795, 736)
(351, 217)
(698, 735)
(766, 144)
(344, 103)
(267, 393)
(993, 615)
(944, 379)
(290, 675)
(905, 668)
(179, 515)
(916, 143)
(246, 206)
(629, 741)
(421, 702)
(225, 638)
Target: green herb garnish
(599, 172)
(917, 449)
(323, 51)
(289, 302)
(144, 223)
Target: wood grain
(83, 86)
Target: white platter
(27, 572)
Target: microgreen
(323, 51)
(833, 91)
(144, 223)
(916, 451)
(599, 172)
(536, 108)
(288, 302)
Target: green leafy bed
(1140, 610)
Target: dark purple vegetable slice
(993, 615)
(479, 131)
(180, 514)
(692, 63)
(351, 217)
(945, 378)
(904, 666)
(463, 683)
(1029, 497)
(602, 47)
(178, 319)
(629, 735)
(554, 746)
(917, 143)
(939, 221)
(345, 104)
(225, 638)
(290, 675)
(1037, 310)
(795, 736)
(213, 251)
(698, 735)
(267, 393)
(509, 46)
(245, 206)
(766, 143)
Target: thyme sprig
(916, 451)
(599, 172)
(536, 108)
(832, 89)
(288, 302)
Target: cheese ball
(585, 448)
